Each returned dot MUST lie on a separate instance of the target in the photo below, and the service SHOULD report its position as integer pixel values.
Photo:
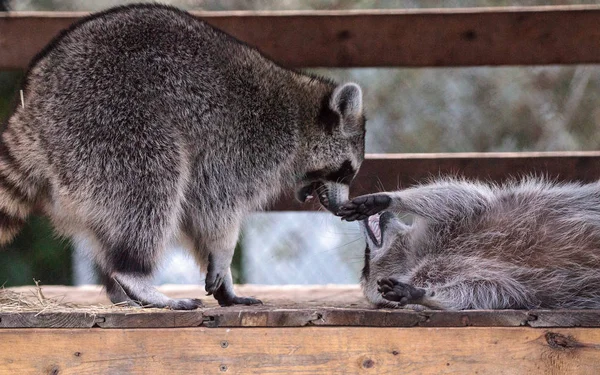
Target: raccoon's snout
(322, 192)
(330, 195)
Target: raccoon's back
(139, 34)
(537, 224)
(147, 54)
(150, 70)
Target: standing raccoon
(142, 126)
(522, 245)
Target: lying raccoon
(522, 245)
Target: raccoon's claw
(393, 290)
(213, 283)
(364, 206)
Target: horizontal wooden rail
(412, 38)
(395, 171)
(308, 350)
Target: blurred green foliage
(36, 253)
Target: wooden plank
(393, 171)
(46, 319)
(564, 318)
(412, 38)
(163, 319)
(301, 351)
(284, 306)
(104, 319)
(299, 316)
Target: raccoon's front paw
(213, 282)
(215, 275)
(393, 290)
(364, 206)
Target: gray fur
(525, 244)
(143, 125)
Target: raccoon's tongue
(373, 223)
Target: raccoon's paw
(239, 301)
(393, 290)
(213, 281)
(226, 297)
(364, 206)
(184, 304)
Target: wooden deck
(284, 306)
(299, 329)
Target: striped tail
(17, 192)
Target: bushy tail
(17, 193)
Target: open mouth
(308, 192)
(373, 227)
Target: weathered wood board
(310, 350)
(369, 38)
(284, 306)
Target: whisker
(344, 245)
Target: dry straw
(35, 301)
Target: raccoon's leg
(218, 251)
(137, 290)
(439, 202)
(127, 259)
(116, 293)
(132, 286)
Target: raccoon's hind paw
(393, 290)
(239, 301)
(364, 206)
(184, 304)
(226, 297)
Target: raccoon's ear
(346, 100)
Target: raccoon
(525, 244)
(141, 126)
